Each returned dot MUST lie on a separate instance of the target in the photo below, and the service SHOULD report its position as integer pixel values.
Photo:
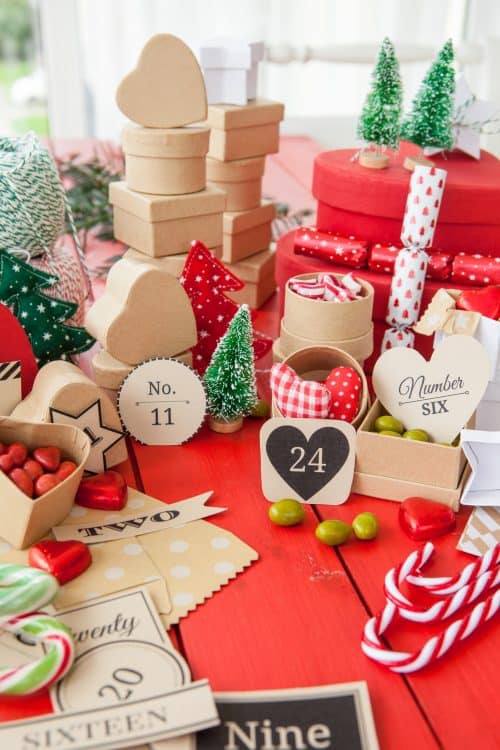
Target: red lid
(471, 196)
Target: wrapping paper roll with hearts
(419, 224)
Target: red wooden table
(295, 617)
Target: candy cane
(448, 585)
(405, 662)
(22, 591)
(478, 577)
(49, 668)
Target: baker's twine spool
(33, 203)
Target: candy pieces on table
(23, 590)
(298, 398)
(334, 532)
(453, 594)
(424, 519)
(37, 472)
(105, 491)
(63, 394)
(286, 512)
(166, 89)
(63, 560)
(484, 301)
(327, 287)
(144, 312)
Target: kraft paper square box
(242, 132)
(159, 225)
(241, 179)
(246, 232)
(395, 468)
(257, 272)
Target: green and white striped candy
(24, 589)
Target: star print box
(24, 521)
(370, 203)
(312, 322)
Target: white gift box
(481, 448)
(230, 69)
(488, 334)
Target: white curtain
(112, 32)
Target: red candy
(49, 457)
(33, 468)
(346, 388)
(22, 479)
(65, 470)
(106, 491)
(6, 463)
(64, 560)
(18, 452)
(424, 519)
(45, 483)
(485, 301)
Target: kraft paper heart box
(24, 521)
(315, 322)
(439, 396)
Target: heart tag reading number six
(310, 460)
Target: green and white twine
(33, 203)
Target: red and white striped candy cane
(399, 606)
(448, 585)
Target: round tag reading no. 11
(162, 402)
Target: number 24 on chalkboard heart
(310, 460)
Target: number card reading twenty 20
(162, 402)
(310, 460)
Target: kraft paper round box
(370, 204)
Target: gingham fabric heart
(296, 397)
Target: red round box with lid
(370, 203)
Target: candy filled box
(23, 521)
(315, 322)
(316, 363)
(396, 468)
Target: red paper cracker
(382, 259)
(475, 269)
(331, 247)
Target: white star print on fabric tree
(470, 115)
(102, 438)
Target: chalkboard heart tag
(439, 395)
(310, 460)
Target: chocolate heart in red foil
(65, 560)
(106, 491)
(485, 301)
(424, 519)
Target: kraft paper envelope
(116, 566)
(482, 531)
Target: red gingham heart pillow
(296, 397)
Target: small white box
(230, 68)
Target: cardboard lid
(167, 143)
(240, 221)
(256, 267)
(471, 196)
(166, 207)
(230, 53)
(256, 112)
(239, 170)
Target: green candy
(421, 435)
(391, 433)
(365, 526)
(261, 409)
(332, 532)
(386, 422)
(287, 512)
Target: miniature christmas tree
(379, 122)
(230, 376)
(43, 318)
(429, 124)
